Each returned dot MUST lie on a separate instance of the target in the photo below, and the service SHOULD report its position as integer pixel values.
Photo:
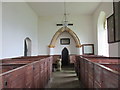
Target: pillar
(79, 49)
(51, 50)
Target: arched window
(103, 47)
(105, 24)
(27, 47)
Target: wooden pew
(6, 67)
(34, 74)
(98, 72)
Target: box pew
(77, 66)
(18, 61)
(34, 74)
(31, 57)
(115, 67)
(6, 67)
(98, 72)
(72, 59)
(27, 59)
(102, 59)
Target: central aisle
(65, 79)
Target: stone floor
(64, 79)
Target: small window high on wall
(27, 47)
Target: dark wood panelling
(97, 76)
(109, 79)
(29, 76)
(98, 72)
(34, 73)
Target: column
(51, 52)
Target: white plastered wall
(107, 7)
(19, 22)
(0, 29)
(0, 38)
(47, 28)
(114, 50)
(119, 49)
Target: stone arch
(59, 32)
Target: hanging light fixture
(65, 21)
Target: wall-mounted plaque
(88, 49)
(65, 41)
(116, 9)
(110, 26)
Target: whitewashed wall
(71, 48)
(114, 50)
(119, 49)
(0, 29)
(107, 7)
(47, 28)
(19, 22)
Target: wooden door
(65, 57)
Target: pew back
(100, 72)
(28, 72)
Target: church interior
(60, 44)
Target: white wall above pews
(19, 22)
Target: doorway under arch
(59, 32)
(27, 47)
(65, 57)
(56, 36)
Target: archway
(65, 57)
(58, 33)
(27, 47)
